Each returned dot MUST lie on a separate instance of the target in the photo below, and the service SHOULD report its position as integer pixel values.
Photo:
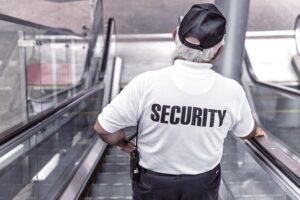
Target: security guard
(183, 113)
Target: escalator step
(263, 197)
(236, 157)
(116, 151)
(255, 190)
(114, 167)
(107, 198)
(244, 176)
(230, 149)
(111, 190)
(229, 166)
(116, 159)
(113, 178)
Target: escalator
(111, 179)
(46, 158)
(242, 177)
(244, 173)
(56, 155)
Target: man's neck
(180, 58)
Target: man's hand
(259, 132)
(126, 146)
(256, 132)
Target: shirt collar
(192, 66)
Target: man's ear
(174, 33)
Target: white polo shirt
(184, 112)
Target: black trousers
(155, 186)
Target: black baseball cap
(204, 22)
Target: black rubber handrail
(58, 188)
(275, 87)
(38, 26)
(280, 159)
(110, 31)
(17, 130)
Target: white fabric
(171, 140)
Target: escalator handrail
(7, 147)
(12, 133)
(75, 184)
(278, 88)
(97, 27)
(110, 31)
(280, 159)
(23, 22)
(288, 166)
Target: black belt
(148, 171)
(143, 170)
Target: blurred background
(142, 16)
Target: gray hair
(195, 55)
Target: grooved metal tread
(244, 178)
(112, 181)
(108, 198)
(239, 171)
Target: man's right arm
(245, 126)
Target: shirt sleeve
(123, 110)
(244, 123)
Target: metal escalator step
(116, 151)
(111, 190)
(114, 167)
(229, 166)
(230, 149)
(7, 191)
(236, 157)
(116, 158)
(30, 191)
(255, 189)
(107, 198)
(263, 197)
(113, 178)
(244, 176)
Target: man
(183, 113)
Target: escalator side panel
(42, 171)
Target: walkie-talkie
(134, 160)
(134, 165)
